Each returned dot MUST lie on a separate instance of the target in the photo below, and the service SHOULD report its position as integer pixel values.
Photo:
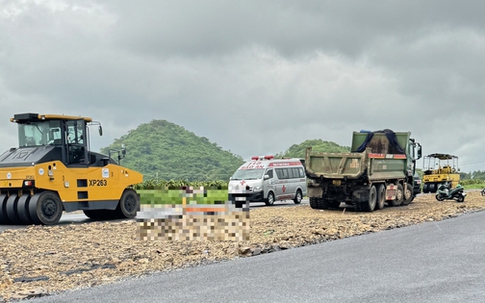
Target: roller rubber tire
(3, 210)
(426, 188)
(128, 205)
(23, 209)
(11, 208)
(45, 208)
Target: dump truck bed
(354, 165)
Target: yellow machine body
(439, 169)
(53, 170)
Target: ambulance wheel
(129, 204)
(270, 199)
(298, 197)
(45, 208)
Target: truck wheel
(433, 188)
(45, 208)
(313, 203)
(371, 202)
(318, 203)
(270, 199)
(322, 203)
(408, 195)
(358, 206)
(129, 204)
(381, 196)
(399, 196)
(298, 197)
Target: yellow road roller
(53, 170)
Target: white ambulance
(265, 179)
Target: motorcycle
(483, 192)
(445, 193)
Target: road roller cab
(53, 170)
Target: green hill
(162, 150)
(165, 151)
(299, 150)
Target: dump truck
(53, 170)
(440, 169)
(378, 170)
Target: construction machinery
(53, 170)
(439, 169)
(379, 169)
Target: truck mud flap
(360, 195)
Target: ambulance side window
(270, 173)
(279, 173)
(282, 173)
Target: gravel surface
(40, 260)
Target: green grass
(176, 196)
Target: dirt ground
(41, 260)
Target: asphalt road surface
(440, 261)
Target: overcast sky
(253, 76)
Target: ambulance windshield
(248, 174)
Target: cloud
(255, 77)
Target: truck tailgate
(335, 165)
